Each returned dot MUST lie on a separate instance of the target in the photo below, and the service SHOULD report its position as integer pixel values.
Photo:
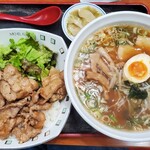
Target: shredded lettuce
(28, 56)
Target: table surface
(94, 138)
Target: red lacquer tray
(74, 122)
(76, 130)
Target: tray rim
(71, 3)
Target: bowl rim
(132, 17)
(30, 29)
(74, 7)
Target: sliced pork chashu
(14, 86)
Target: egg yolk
(137, 69)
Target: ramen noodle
(112, 76)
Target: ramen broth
(112, 76)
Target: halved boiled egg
(137, 68)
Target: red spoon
(46, 16)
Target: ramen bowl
(79, 15)
(87, 82)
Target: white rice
(52, 114)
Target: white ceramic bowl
(106, 20)
(74, 7)
(61, 110)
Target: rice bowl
(56, 117)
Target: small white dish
(75, 9)
(106, 1)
